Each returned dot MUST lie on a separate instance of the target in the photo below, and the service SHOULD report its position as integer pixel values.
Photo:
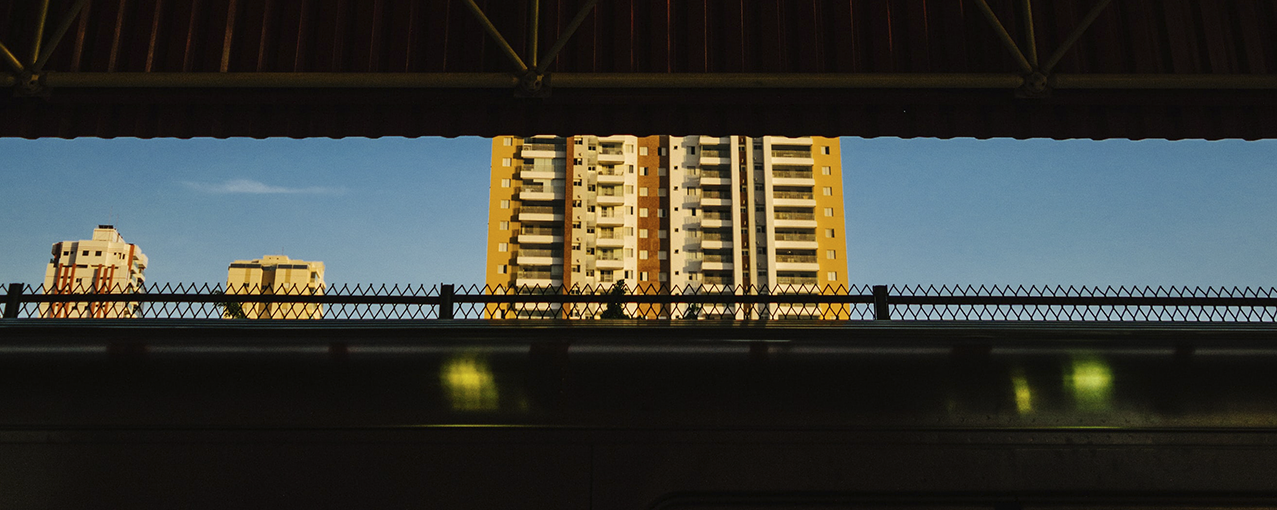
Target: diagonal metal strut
(1074, 36)
(567, 34)
(496, 36)
(58, 33)
(1004, 36)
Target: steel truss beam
(727, 81)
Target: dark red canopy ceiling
(940, 68)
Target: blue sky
(396, 210)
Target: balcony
(543, 150)
(612, 220)
(797, 266)
(706, 265)
(612, 198)
(616, 263)
(792, 177)
(539, 214)
(539, 257)
(539, 193)
(778, 140)
(533, 235)
(783, 198)
(610, 175)
(611, 154)
(794, 224)
(615, 241)
(716, 176)
(715, 222)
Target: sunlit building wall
(711, 213)
(105, 264)
(274, 275)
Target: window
(631, 169)
(629, 231)
(829, 232)
(825, 150)
(824, 170)
(660, 213)
(85, 254)
(501, 269)
(628, 274)
(576, 268)
(97, 253)
(662, 234)
(505, 183)
(832, 276)
(829, 211)
(503, 246)
(662, 171)
(665, 277)
(828, 191)
(589, 272)
(660, 192)
(642, 233)
(662, 255)
(629, 252)
(643, 192)
(505, 204)
(505, 225)
(642, 254)
(691, 192)
(507, 141)
(831, 254)
(642, 151)
(590, 188)
(505, 162)
(629, 189)
(643, 276)
(691, 150)
(643, 212)
(606, 276)
(642, 170)
(662, 151)
(693, 211)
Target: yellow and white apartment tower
(274, 275)
(711, 213)
(105, 264)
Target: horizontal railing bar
(1081, 301)
(662, 298)
(499, 80)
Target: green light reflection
(1091, 381)
(469, 383)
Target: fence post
(13, 300)
(882, 309)
(446, 293)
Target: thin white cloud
(257, 188)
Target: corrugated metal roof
(775, 38)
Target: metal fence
(697, 302)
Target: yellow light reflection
(1023, 397)
(470, 384)
(1092, 384)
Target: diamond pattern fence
(698, 302)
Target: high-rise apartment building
(274, 275)
(660, 212)
(105, 264)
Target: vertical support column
(13, 301)
(447, 292)
(882, 309)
